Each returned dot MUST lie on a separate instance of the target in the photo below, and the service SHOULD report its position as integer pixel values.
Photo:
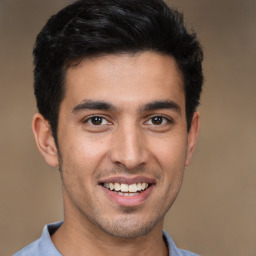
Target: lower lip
(128, 201)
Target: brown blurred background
(215, 213)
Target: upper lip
(126, 180)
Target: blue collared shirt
(45, 247)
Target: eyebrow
(102, 105)
(166, 104)
(93, 105)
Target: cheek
(83, 153)
(171, 152)
(171, 156)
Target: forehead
(125, 78)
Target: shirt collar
(47, 247)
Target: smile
(124, 189)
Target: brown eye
(159, 123)
(157, 120)
(97, 120)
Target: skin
(132, 138)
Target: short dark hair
(90, 28)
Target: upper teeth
(125, 187)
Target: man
(117, 85)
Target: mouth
(128, 191)
(124, 189)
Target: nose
(129, 148)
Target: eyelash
(89, 120)
(164, 120)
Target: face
(123, 142)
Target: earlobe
(44, 139)
(192, 137)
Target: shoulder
(42, 246)
(31, 249)
(187, 253)
(173, 249)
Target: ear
(44, 139)
(192, 137)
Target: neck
(72, 238)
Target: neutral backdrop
(215, 213)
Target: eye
(96, 121)
(157, 120)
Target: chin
(127, 228)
